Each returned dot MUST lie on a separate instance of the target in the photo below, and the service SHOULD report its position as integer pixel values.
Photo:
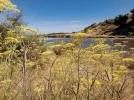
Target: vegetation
(121, 20)
(31, 70)
(120, 25)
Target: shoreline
(69, 35)
(89, 36)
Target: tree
(15, 20)
(132, 22)
(132, 11)
(121, 20)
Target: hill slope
(120, 25)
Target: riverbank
(88, 36)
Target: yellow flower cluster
(25, 29)
(46, 53)
(11, 40)
(30, 64)
(6, 4)
(80, 35)
(128, 60)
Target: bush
(57, 49)
(103, 23)
(131, 33)
(87, 28)
(93, 25)
(132, 11)
(131, 29)
(121, 20)
(109, 21)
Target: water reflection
(128, 42)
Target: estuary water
(129, 42)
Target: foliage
(31, 70)
(120, 25)
(93, 25)
(87, 28)
(131, 28)
(7, 5)
(107, 22)
(110, 21)
(132, 11)
(79, 38)
(121, 20)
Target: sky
(69, 15)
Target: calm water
(88, 41)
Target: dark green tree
(121, 20)
(132, 11)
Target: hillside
(122, 25)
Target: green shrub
(87, 28)
(132, 11)
(121, 20)
(93, 25)
(131, 29)
(109, 21)
(103, 23)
